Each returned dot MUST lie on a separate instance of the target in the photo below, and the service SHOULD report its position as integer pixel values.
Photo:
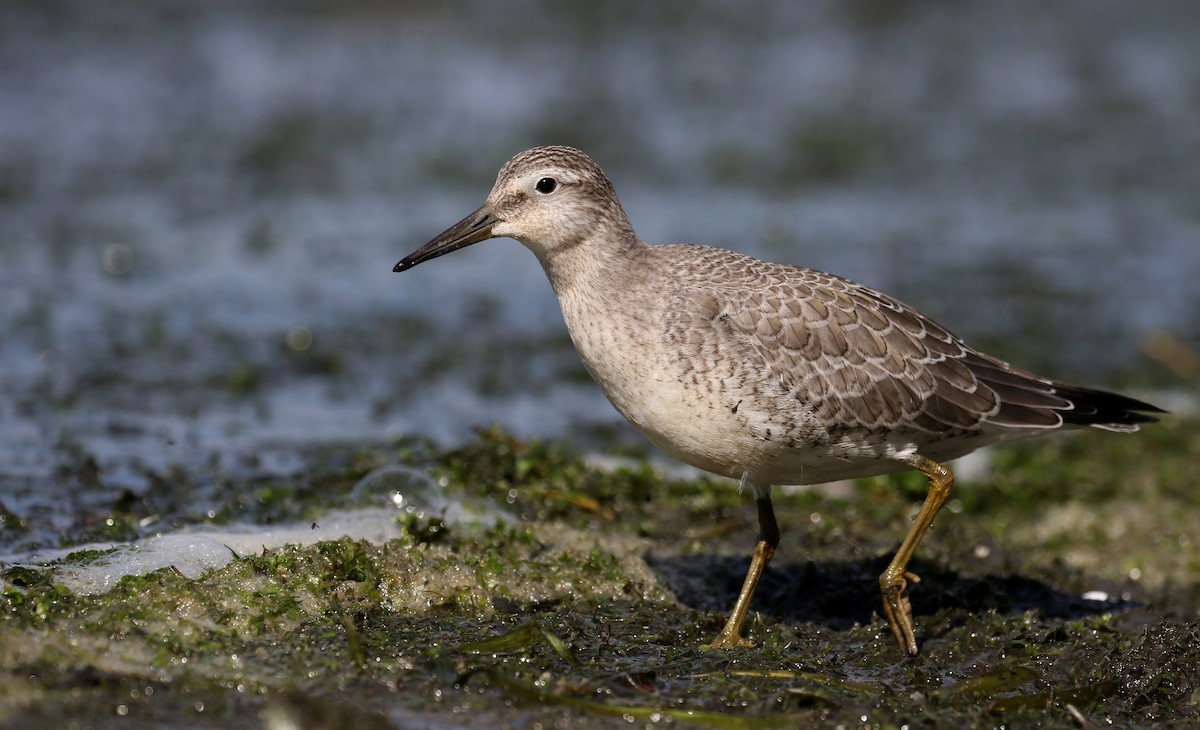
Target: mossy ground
(591, 607)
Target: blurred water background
(201, 205)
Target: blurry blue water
(182, 187)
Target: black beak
(472, 229)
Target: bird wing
(861, 359)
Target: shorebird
(763, 372)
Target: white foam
(196, 550)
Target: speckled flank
(768, 373)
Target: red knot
(763, 372)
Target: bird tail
(1101, 409)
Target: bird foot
(724, 641)
(898, 610)
(730, 638)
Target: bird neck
(605, 252)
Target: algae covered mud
(238, 479)
(563, 594)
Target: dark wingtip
(404, 265)
(1102, 409)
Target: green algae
(594, 598)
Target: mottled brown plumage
(763, 372)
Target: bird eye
(546, 185)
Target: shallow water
(200, 206)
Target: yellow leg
(894, 580)
(768, 539)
